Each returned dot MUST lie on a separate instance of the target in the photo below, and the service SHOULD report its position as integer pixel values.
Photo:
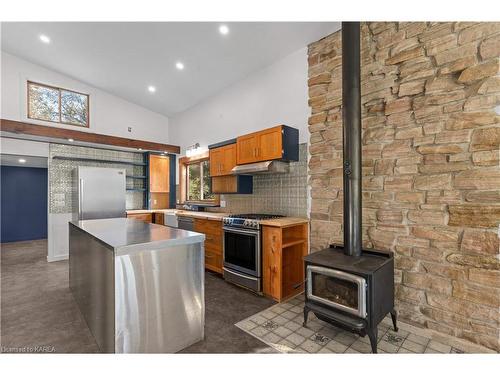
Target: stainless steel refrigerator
(98, 193)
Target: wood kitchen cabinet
(146, 217)
(277, 143)
(213, 242)
(159, 174)
(283, 249)
(222, 160)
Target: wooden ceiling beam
(25, 128)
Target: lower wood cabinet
(212, 229)
(283, 250)
(146, 217)
(159, 218)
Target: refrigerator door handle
(80, 201)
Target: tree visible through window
(198, 182)
(48, 103)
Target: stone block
(489, 86)
(476, 293)
(480, 241)
(398, 183)
(444, 167)
(486, 277)
(492, 196)
(435, 233)
(478, 179)
(429, 282)
(478, 261)
(427, 217)
(319, 79)
(405, 55)
(433, 182)
(469, 120)
(410, 197)
(390, 216)
(397, 149)
(398, 105)
(486, 158)
(474, 73)
(474, 215)
(411, 88)
(458, 65)
(454, 54)
(479, 31)
(384, 166)
(441, 149)
(453, 136)
(490, 47)
(485, 139)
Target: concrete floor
(39, 314)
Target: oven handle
(241, 231)
(239, 274)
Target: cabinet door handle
(208, 256)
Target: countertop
(165, 210)
(203, 215)
(284, 222)
(279, 222)
(127, 235)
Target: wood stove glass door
(337, 289)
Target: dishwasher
(186, 223)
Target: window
(198, 182)
(48, 103)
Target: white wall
(274, 95)
(23, 147)
(109, 115)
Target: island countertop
(126, 235)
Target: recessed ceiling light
(44, 38)
(223, 29)
(70, 139)
(179, 65)
(22, 161)
(140, 149)
(151, 89)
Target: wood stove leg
(372, 334)
(306, 313)
(394, 317)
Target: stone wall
(431, 176)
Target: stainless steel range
(242, 249)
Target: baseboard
(57, 258)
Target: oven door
(337, 289)
(241, 250)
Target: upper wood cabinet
(222, 160)
(277, 143)
(159, 174)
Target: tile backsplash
(60, 174)
(281, 194)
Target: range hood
(262, 167)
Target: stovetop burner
(255, 216)
(249, 221)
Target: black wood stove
(347, 286)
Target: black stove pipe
(351, 116)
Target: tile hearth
(280, 327)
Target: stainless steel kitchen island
(139, 286)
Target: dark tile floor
(39, 314)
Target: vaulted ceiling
(125, 58)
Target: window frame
(184, 180)
(59, 90)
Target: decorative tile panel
(60, 174)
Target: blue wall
(23, 203)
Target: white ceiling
(124, 58)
